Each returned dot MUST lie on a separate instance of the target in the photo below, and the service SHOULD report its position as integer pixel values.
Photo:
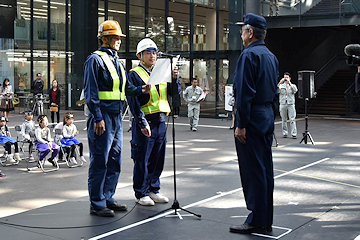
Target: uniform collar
(259, 42)
(146, 69)
(109, 51)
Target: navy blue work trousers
(105, 159)
(256, 166)
(148, 154)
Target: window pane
(157, 23)
(179, 29)
(137, 23)
(204, 27)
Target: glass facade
(45, 41)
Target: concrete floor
(317, 190)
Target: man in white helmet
(105, 89)
(149, 127)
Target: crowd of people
(41, 137)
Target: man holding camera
(287, 92)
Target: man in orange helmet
(105, 89)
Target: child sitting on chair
(44, 142)
(7, 140)
(69, 132)
(28, 132)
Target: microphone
(161, 54)
(352, 50)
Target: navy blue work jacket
(143, 99)
(255, 81)
(97, 78)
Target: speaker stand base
(307, 135)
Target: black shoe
(52, 161)
(247, 228)
(105, 212)
(117, 207)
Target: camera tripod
(306, 134)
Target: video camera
(352, 51)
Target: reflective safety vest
(115, 94)
(156, 103)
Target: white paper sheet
(161, 72)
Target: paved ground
(317, 190)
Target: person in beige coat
(287, 92)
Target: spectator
(193, 95)
(6, 93)
(55, 95)
(37, 85)
(276, 7)
(7, 140)
(28, 132)
(69, 131)
(287, 92)
(44, 143)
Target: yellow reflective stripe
(115, 94)
(142, 73)
(156, 103)
(123, 75)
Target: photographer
(287, 92)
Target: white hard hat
(146, 44)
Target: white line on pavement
(195, 204)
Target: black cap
(2, 119)
(254, 20)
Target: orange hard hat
(110, 27)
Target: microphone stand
(176, 205)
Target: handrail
(327, 65)
(350, 88)
(352, 3)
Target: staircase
(324, 7)
(330, 98)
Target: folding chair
(3, 159)
(4, 162)
(41, 164)
(21, 143)
(65, 150)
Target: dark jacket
(97, 77)
(37, 87)
(255, 81)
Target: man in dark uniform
(105, 89)
(255, 88)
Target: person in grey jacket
(287, 92)
(193, 96)
(28, 132)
